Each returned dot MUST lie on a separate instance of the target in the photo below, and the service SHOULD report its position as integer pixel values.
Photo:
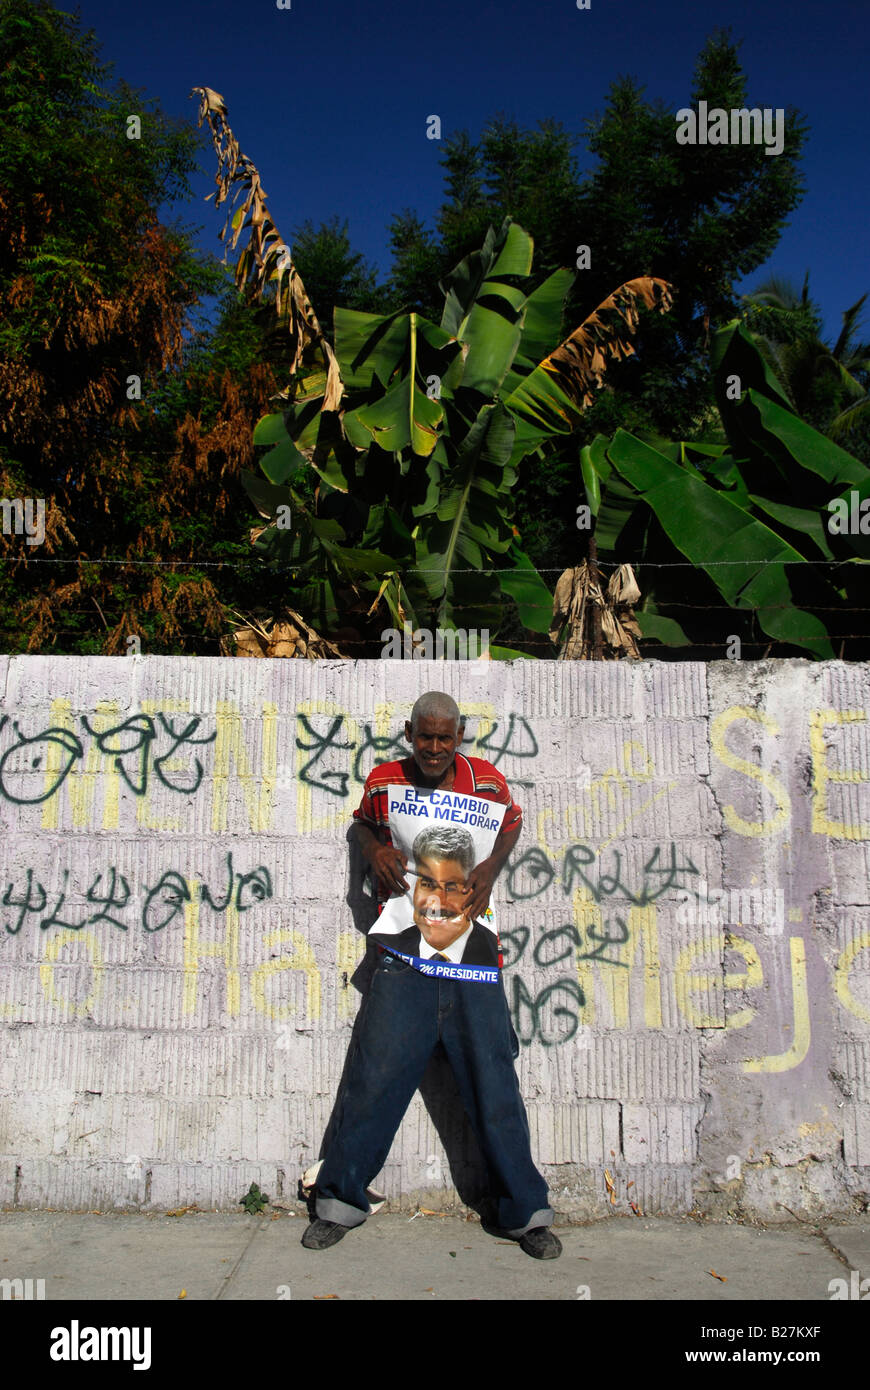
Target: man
(406, 1014)
(443, 858)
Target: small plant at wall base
(254, 1200)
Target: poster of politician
(443, 835)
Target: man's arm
(387, 863)
(483, 875)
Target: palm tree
(826, 385)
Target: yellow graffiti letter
(686, 980)
(257, 786)
(841, 977)
(351, 949)
(719, 728)
(301, 959)
(785, 1061)
(194, 948)
(822, 774)
(46, 971)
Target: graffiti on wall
(162, 749)
(161, 904)
(130, 747)
(569, 973)
(594, 936)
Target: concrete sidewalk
(217, 1255)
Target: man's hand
(479, 886)
(389, 865)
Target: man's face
(433, 744)
(438, 894)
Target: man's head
(443, 859)
(434, 731)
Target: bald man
(407, 1014)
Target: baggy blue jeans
(404, 1016)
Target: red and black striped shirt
(472, 777)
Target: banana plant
(415, 430)
(416, 470)
(750, 514)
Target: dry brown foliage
(286, 636)
(598, 624)
(266, 257)
(580, 362)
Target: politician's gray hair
(435, 704)
(445, 842)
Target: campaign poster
(443, 835)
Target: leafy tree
(333, 272)
(130, 435)
(529, 175)
(417, 267)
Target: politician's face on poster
(438, 894)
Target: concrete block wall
(686, 926)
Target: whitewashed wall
(687, 914)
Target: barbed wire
(275, 567)
(675, 603)
(662, 603)
(527, 641)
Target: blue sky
(330, 97)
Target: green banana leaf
(543, 323)
(462, 286)
(508, 654)
(371, 347)
(664, 630)
(796, 519)
(526, 587)
(282, 462)
(469, 523)
(786, 435)
(734, 352)
(707, 527)
(271, 429)
(541, 409)
(611, 500)
(492, 327)
(404, 418)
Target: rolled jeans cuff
(331, 1209)
(544, 1217)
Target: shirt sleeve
(365, 811)
(513, 816)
